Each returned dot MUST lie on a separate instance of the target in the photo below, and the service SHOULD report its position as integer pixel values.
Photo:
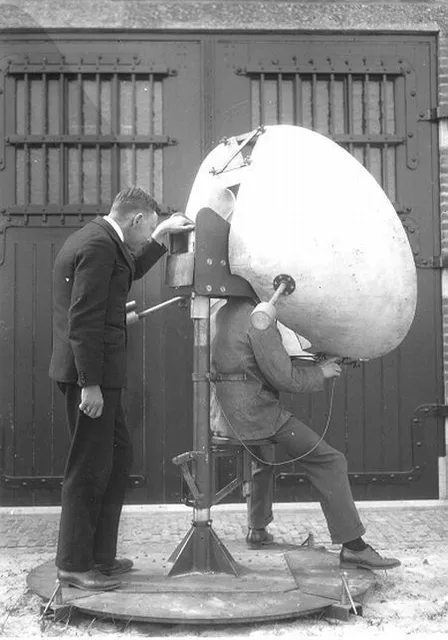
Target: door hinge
(434, 114)
(33, 483)
(432, 410)
(438, 411)
(436, 262)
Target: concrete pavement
(411, 524)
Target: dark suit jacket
(93, 273)
(251, 408)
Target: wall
(416, 17)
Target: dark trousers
(95, 479)
(326, 469)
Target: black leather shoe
(91, 580)
(366, 559)
(114, 568)
(257, 538)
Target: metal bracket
(434, 114)
(56, 609)
(436, 262)
(101, 140)
(103, 63)
(50, 482)
(54, 215)
(2, 120)
(212, 276)
(183, 460)
(432, 410)
(199, 377)
(413, 232)
(5, 222)
(247, 140)
(424, 411)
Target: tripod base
(201, 551)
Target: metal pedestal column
(201, 550)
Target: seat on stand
(240, 451)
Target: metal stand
(201, 550)
(55, 608)
(346, 607)
(206, 585)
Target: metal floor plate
(276, 583)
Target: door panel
(79, 126)
(366, 93)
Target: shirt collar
(115, 226)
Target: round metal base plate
(278, 582)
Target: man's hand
(92, 401)
(177, 223)
(331, 368)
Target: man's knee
(339, 461)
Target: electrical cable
(278, 464)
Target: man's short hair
(133, 199)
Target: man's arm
(148, 256)
(275, 363)
(155, 247)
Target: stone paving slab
(401, 525)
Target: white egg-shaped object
(307, 208)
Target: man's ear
(137, 218)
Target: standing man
(253, 367)
(93, 274)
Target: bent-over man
(253, 368)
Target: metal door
(370, 94)
(78, 127)
(140, 109)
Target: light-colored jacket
(255, 368)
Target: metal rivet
(223, 263)
(209, 261)
(222, 289)
(208, 287)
